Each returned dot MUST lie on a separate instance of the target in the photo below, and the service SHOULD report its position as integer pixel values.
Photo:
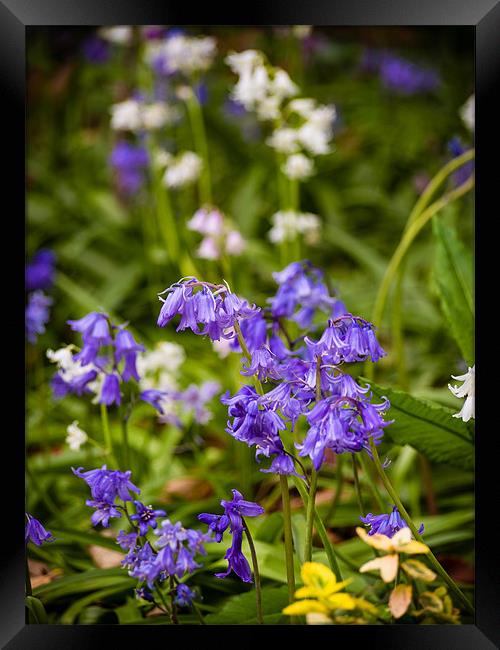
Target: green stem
(258, 593)
(432, 558)
(397, 329)
(175, 620)
(107, 434)
(327, 545)
(338, 489)
(126, 447)
(287, 526)
(198, 613)
(371, 482)
(407, 239)
(357, 486)
(200, 142)
(310, 516)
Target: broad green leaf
(86, 539)
(36, 610)
(241, 609)
(77, 606)
(92, 580)
(453, 274)
(430, 428)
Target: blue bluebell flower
(145, 516)
(40, 271)
(37, 315)
(386, 524)
(178, 548)
(127, 541)
(104, 510)
(127, 348)
(35, 532)
(107, 485)
(234, 511)
(129, 162)
(462, 174)
(110, 392)
(184, 596)
(95, 49)
(406, 77)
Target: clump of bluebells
(234, 511)
(386, 524)
(306, 373)
(39, 278)
(159, 563)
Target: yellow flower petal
(387, 565)
(361, 603)
(400, 600)
(380, 542)
(317, 575)
(412, 548)
(307, 592)
(338, 586)
(340, 601)
(305, 607)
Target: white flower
(241, 62)
(76, 437)
(186, 54)
(303, 106)
(69, 369)
(314, 138)
(159, 368)
(207, 222)
(183, 169)
(208, 249)
(163, 158)
(284, 140)
(298, 166)
(121, 34)
(467, 390)
(282, 85)
(156, 115)
(467, 113)
(287, 224)
(126, 116)
(302, 31)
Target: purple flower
(129, 163)
(127, 541)
(144, 593)
(94, 328)
(154, 397)
(342, 424)
(202, 304)
(143, 564)
(104, 510)
(107, 485)
(145, 517)
(263, 364)
(36, 315)
(456, 148)
(234, 511)
(194, 399)
(386, 524)
(254, 332)
(184, 596)
(406, 77)
(35, 532)
(126, 347)
(178, 548)
(95, 49)
(40, 271)
(110, 392)
(201, 92)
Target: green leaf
(429, 428)
(241, 609)
(86, 539)
(70, 615)
(453, 275)
(36, 610)
(92, 580)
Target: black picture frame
(484, 16)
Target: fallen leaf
(400, 600)
(105, 558)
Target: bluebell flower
(462, 174)
(40, 271)
(127, 541)
(254, 331)
(145, 594)
(126, 347)
(234, 511)
(107, 485)
(129, 162)
(406, 77)
(178, 548)
(199, 306)
(36, 315)
(95, 49)
(154, 397)
(342, 424)
(184, 596)
(94, 328)
(145, 516)
(263, 364)
(110, 392)
(143, 564)
(386, 524)
(104, 510)
(35, 532)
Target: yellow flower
(388, 565)
(320, 593)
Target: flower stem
(432, 558)
(175, 620)
(310, 516)
(338, 490)
(107, 434)
(287, 526)
(357, 486)
(200, 143)
(258, 593)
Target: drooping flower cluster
(288, 224)
(39, 277)
(467, 390)
(234, 511)
(151, 562)
(178, 53)
(213, 308)
(106, 359)
(398, 74)
(388, 524)
(35, 532)
(219, 238)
